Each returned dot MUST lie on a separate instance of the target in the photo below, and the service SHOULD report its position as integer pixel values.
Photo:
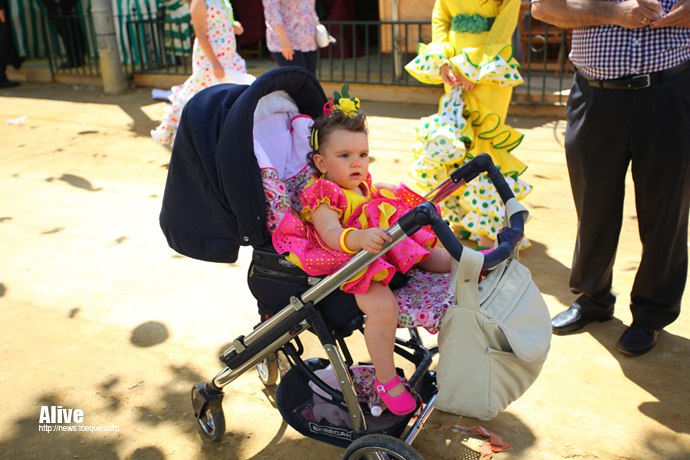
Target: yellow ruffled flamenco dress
(473, 39)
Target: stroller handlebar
(426, 213)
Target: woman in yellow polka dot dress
(471, 54)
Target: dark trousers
(607, 130)
(64, 16)
(8, 52)
(301, 59)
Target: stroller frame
(302, 313)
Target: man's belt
(630, 82)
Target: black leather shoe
(580, 313)
(637, 340)
(8, 84)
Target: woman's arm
(327, 225)
(198, 11)
(588, 13)
(285, 44)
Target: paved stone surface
(98, 314)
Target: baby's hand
(372, 239)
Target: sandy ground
(97, 313)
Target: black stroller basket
(304, 303)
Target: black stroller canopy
(214, 199)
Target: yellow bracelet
(342, 240)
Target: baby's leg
(437, 262)
(381, 308)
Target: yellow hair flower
(348, 105)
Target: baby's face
(345, 158)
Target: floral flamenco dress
(220, 34)
(473, 39)
(379, 208)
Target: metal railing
(370, 52)
(157, 45)
(70, 43)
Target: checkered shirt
(606, 52)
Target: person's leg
(597, 152)
(5, 40)
(8, 54)
(381, 308)
(74, 42)
(437, 262)
(310, 61)
(661, 171)
(69, 28)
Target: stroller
(215, 202)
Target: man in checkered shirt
(629, 104)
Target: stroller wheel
(268, 370)
(379, 446)
(212, 419)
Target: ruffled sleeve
(492, 62)
(320, 191)
(426, 67)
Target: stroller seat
(423, 297)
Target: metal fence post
(108, 52)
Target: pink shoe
(402, 404)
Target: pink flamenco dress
(378, 208)
(221, 36)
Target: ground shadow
(147, 453)
(550, 275)
(666, 446)
(76, 181)
(3, 289)
(149, 334)
(171, 408)
(55, 230)
(662, 372)
(442, 435)
(130, 101)
(28, 442)
(308, 449)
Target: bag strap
(512, 207)
(465, 276)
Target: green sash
(474, 24)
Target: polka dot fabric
(221, 36)
(299, 237)
(441, 149)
